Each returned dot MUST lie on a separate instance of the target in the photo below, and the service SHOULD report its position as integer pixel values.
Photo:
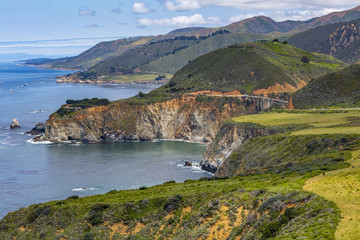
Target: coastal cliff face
(187, 118)
(229, 138)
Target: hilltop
(339, 89)
(251, 68)
(340, 40)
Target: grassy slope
(173, 63)
(343, 188)
(251, 66)
(300, 150)
(339, 89)
(100, 52)
(259, 207)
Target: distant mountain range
(341, 40)
(168, 53)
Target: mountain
(100, 52)
(263, 24)
(253, 68)
(341, 40)
(334, 17)
(163, 56)
(168, 53)
(339, 89)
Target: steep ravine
(187, 118)
(229, 138)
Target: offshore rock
(15, 124)
(229, 138)
(184, 118)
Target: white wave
(83, 189)
(36, 111)
(41, 142)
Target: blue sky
(30, 20)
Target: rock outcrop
(15, 124)
(38, 129)
(229, 138)
(186, 117)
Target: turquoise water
(32, 173)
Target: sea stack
(15, 124)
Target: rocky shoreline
(69, 79)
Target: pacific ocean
(33, 173)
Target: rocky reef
(186, 117)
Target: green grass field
(342, 187)
(315, 119)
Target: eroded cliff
(228, 139)
(188, 117)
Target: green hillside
(174, 62)
(340, 40)
(252, 66)
(339, 89)
(100, 52)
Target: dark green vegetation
(340, 40)
(256, 207)
(76, 105)
(251, 66)
(339, 89)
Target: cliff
(228, 139)
(187, 117)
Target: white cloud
(140, 8)
(183, 5)
(190, 5)
(196, 19)
(243, 16)
(85, 11)
(301, 15)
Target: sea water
(33, 173)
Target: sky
(89, 21)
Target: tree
(276, 40)
(284, 42)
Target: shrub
(173, 203)
(73, 197)
(141, 95)
(305, 59)
(275, 40)
(37, 212)
(284, 42)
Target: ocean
(34, 173)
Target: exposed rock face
(38, 129)
(74, 78)
(15, 124)
(229, 138)
(181, 118)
